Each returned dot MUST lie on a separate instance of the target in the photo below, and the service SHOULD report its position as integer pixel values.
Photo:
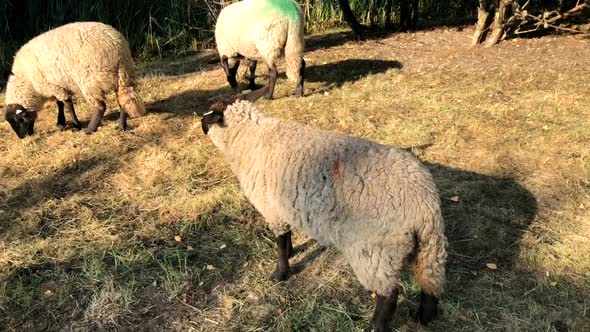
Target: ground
(148, 230)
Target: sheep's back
(332, 185)
(255, 29)
(82, 55)
(233, 30)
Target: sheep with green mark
(262, 30)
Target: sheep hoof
(373, 328)
(299, 92)
(280, 275)
(428, 309)
(232, 82)
(76, 128)
(61, 127)
(426, 316)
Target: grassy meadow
(147, 230)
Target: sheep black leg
(384, 310)
(273, 73)
(97, 118)
(69, 105)
(122, 118)
(428, 309)
(290, 250)
(299, 90)
(230, 73)
(252, 67)
(284, 248)
(233, 72)
(61, 118)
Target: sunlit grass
(148, 229)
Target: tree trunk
(349, 17)
(498, 25)
(415, 11)
(404, 15)
(483, 13)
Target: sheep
(376, 203)
(262, 29)
(86, 58)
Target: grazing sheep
(262, 29)
(376, 203)
(86, 58)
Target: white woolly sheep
(262, 29)
(86, 58)
(376, 203)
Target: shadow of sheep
(338, 73)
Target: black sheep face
(215, 114)
(21, 120)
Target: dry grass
(88, 223)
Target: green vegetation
(164, 27)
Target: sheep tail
(294, 48)
(429, 268)
(128, 98)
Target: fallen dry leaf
(553, 283)
(177, 238)
(252, 298)
(454, 198)
(462, 317)
(210, 267)
(492, 266)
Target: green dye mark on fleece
(285, 7)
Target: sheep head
(20, 119)
(215, 113)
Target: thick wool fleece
(87, 58)
(375, 203)
(262, 29)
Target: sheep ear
(14, 111)
(209, 119)
(255, 95)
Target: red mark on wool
(336, 168)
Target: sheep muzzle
(21, 120)
(210, 118)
